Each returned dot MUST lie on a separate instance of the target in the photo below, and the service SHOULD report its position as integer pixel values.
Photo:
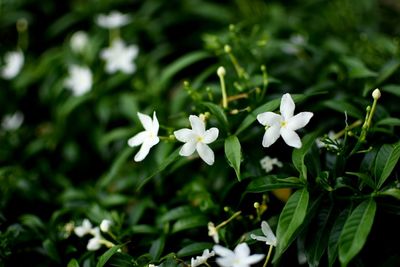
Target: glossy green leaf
(189, 223)
(179, 212)
(356, 230)
(367, 179)
(194, 249)
(393, 192)
(107, 255)
(51, 250)
(357, 69)
(157, 247)
(73, 263)
(387, 70)
(219, 113)
(386, 160)
(298, 155)
(343, 106)
(272, 182)
(290, 219)
(233, 153)
(392, 89)
(388, 122)
(335, 235)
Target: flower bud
(376, 94)
(227, 48)
(221, 71)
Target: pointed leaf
(334, 236)
(356, 230)
(233, 153)
(194, 249)
(298, 155)
(107, 255)
(386, 160)
(157, 247)
(290, 219)
(219, 113)
(272, 182)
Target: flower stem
(230, 219)
(268, 256)
(221, 73)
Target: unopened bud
(256, 205)
(227, 49)
(376, 94)
(221, 71)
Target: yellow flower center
(283, 124)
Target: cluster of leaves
(70, 160)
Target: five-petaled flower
(284, 124)
(269, 237)
(119, 57)
(240, 257)
(147, 138)
(79, 80)
(197, 139)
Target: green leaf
(342, 106)
(357, 69)
(290, 219)
(169, 160)
(179, 212)
(392, 88)
(73, 263)
(194, 249)
(271, 182)
(334, 236)
(107, 255)
(157, 247)
(51, 250)
(389, 122)
(365, 178)
(298, 155)
(386, 160)
(356, 230)
(319, 237)
(219, 113)
(233, 153)
(189, 223)
(179, 65)
(393, 192)
(387, 70)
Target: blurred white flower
(12, 122)
(268, 163)
(331, 136)
(240, 257)
(213, 232)
(79, 41)
(197, 139)
(113, 20)
(120, 57)
(147, 138)
(85, 228)
(284, 124)
(96, 241)
(152, 265)
(269, 237)
(202, 259)
(79, 80)
(13, 64)
(105, 225)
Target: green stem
(227, 221)
(268, 256)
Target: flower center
(199, 138)
(283, 124)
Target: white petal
(188, 149)
(271, 135)
(94, 244)
(144, 149)
(258, 238)
(205, 153)
(197, 124)
(156, 125)
(210, 135)
(185, 135)
(287, 107)
(269, 118)
(146, 121)
(299, 121)
(225, 262)
(291, 138)
(138, 139)
(242, 250)
(270, 236)
(223, 252)
(253, 258)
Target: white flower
(12, 122)
(113, 20)
(96, 241)
(284, 124)
(147, 138)
(267, 163)
(152, 265)
(120, 57)
(213, 232)
(79, 41)
(269, 238)
(13, 64)
(85, 228)
(202, 259)
(79, 80)
(332, 145)
(240, 257)
(105, 225)
(197, 139)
